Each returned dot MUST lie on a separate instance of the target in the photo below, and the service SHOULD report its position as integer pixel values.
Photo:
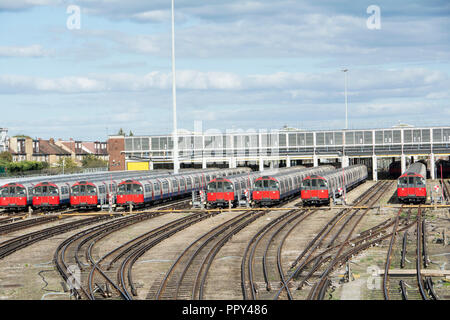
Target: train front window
(136, 188)
(402, 182)
(420, 182)
(52, 190)
(321, 183)
(76, 190)
(20, 191)
(219, 186)
(212, 186)
(271, 185)
(227, 186)
(411, 181)
(4, 191)
(259, 185)
(306, 184)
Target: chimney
(52, 141)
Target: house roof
(46, 147)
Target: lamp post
(174, 99)
(346, 104)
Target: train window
(307, 183)
(147, 188)
(219, 186)
(321, 183)
(101, 189)
(212, 186)
(420, 182)
(411, 181)
(156, 186)
(259, 185)
(90, 190)
(197, 180)
(227, 186)
(272, 185)
(314, 183)
(165, 185)
(75, 190)
(20, 190)
(182, 183)
(4, 191)
(402, 182)
(136, 188)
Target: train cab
(14, 196)
(46, 194)
(130, 192)
(266, 190)
(412, 188)
(220, 192)
(84, 194)
(315, 190)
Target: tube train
(319, 189)
(272, 189)
(140, 192)
(412, 186)
(48, 191)
(221, 192)
(79, 190)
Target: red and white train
(412, 186)
(145, 191)
(272, 189)
(319, 189)
(48, 191)
(221, 192)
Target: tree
(5, 156)
(131, 134)
(121, 132)
(67, 162)
(91, 161)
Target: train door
(411, 186)
(420, 187)
(314, 192)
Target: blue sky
(240, 64)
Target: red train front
(45, 194)
(411, 186)
(220, 192)
(266, 191)
(130, 192)
(315, 190)
(13, 196)
(84, 195)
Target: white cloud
(32, 51)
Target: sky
(249, 65)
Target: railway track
(77, 253)
(186, 278)
(12, 245)
(410, 288)
(267, 243)
(311, 260)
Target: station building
(286, 147)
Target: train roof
(417, 168)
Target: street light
(346, 105)
(174, 98)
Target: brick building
(116, 148)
